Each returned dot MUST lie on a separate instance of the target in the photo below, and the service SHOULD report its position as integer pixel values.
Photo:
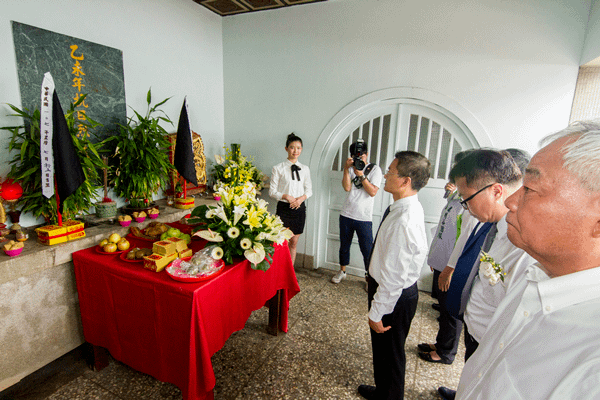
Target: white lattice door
(387, 129)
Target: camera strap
(368, 169)
(357, 182)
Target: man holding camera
(361, 180)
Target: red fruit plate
(177, 273)
(99, 250)
(123, 257)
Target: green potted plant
(25, 165)
(140, 163)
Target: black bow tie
(295, 169)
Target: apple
(104, 242)
(114, 238)
(123, 244)
(110, 248)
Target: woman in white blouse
(291, 186)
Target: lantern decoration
(11, 192)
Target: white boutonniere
(491, 269)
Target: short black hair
(486, 166)
(521, 157)
(292, 138)
(462, 154)
(415, 166)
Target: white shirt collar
(404, 202)
(567, 290)
(502, 227)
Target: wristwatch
(362, 178)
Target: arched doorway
(389, 121)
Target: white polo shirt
(359, 203)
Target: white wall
(591, 49)
(173, 46)
(512, 64)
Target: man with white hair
(542, 342)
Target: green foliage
(26, 164)
(140, 163)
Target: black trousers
(435, 290)
(389, 357)
(470, 344)
(448, 337)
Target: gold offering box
(180, 244)
(157, 262)
(54, 234)
(164, 248)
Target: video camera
(357, 149)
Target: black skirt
(292, 219)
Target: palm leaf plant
(140, 163)
(26, 164)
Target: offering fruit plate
(123, 256)
(99, 250)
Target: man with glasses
(542, 342)
(484, 179)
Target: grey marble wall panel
(89, 68)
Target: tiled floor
(325, 355)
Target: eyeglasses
(464, 204)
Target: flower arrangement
(234, 170)
(491, 269)
(240, 225)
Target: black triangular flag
(184, 148)
(67, 168)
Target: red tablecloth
(170, 329)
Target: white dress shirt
(542, 342)
(359, 203)
(282, 182)
(398, 254)
(484, 298)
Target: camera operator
(361, 180)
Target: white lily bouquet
(491, 269)
(240, 225)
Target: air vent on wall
(231, 7)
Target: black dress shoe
(435, 306)
(447, 394)
(425, 347)
(367, 391)
(427, 357)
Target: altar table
(169, 329)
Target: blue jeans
(364, 231)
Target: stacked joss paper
(240, 225)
